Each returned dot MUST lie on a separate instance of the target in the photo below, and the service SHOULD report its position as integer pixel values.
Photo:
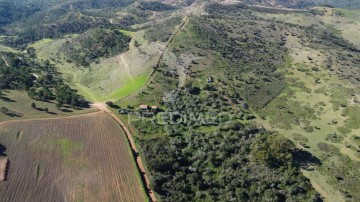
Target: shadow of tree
(6, 99)
(2, 150)
(13, 115)
(305, 159)
(66, 110)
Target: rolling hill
(222, 100)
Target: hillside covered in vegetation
(225, 100)
(231, 77)
(93, 45)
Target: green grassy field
(349, 13)
(130, 87)
(109, 79)
(127, 33)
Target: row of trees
(15, 72)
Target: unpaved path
(6, 62)
(185, 21)
(318, 184)
(126, 67)
(86, 91)
(139, 163)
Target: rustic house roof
(144, 107)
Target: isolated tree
(31, 52)
(109, 103)
(74, 101)
(46, 109)
(274, 150)
(58, 105)
(136, 43)
(33, 105)
(32, 92)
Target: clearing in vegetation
(82, 158)
(107, 78)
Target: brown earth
(82, 158)
(139, 163)
(3, 165)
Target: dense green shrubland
(95, 44)
(234, 159)
(31, 21)
(238, 161)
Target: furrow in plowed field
(83, 158)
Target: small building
(154, 108)
(143, 107)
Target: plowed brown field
(83, 158)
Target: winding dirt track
(126, 67)
(6, 62)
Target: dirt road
(139, 163)
(126, 67)
(6, 62)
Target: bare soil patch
(3, 166)
(82, 158)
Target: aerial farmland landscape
(84, 158)
(179, 100)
